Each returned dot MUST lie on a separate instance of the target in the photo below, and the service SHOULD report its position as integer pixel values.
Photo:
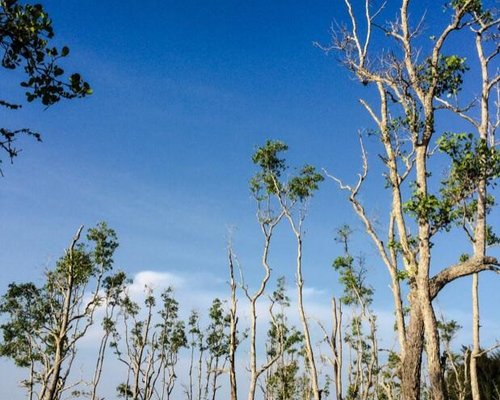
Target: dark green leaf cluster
(83, 263)
(217, 336)
(267, 158)
(281, 337)
(352, 278)
(74, 268)
(279, 295)
(464, 257)
(402, 275)
(271, 165)
(439, 212)
(268, 181)
(25, 308)
(129, 307)
(105, 244)
(172, 333)
(124, 390)
(114, 287)
(25, 34)
(303, 186)
(471, 6)
(446, 76)
(472, 161)
(195, 332)
(282, 384)
(398, 248)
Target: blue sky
(184, 91)
(183, 95)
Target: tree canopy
(26, 34)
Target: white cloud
(155, 280)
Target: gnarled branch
(469, 267)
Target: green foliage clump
(471, 6)
(172, 331)
(430, 208)
(217, 339)
(269, 180)
(26, 308)
(352, 279)
(26, 32)
(472, 161)
(446, 76)
(42, 324)
(25, 35)
(351, 275)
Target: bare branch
(491, 348)
(460, 111)
(493, 82)
(469, 267)
(370, 111)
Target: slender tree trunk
(480, 231)
(31, 382)
(208, 373)
(214, 380)
(337, 346)
(474, 383)
(267, 230)
(422, 279)
(99, 367)
(200, 371)
(190, 374)
(100, 357)
(253, 352)
(233, 340)
(305, 326)
(436, 377)
(412, 360)
(60, 341)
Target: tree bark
(474, 383)
(412, 360)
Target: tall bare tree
(233, 327)
(409, 78)
(268, 220)
(291, 196)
